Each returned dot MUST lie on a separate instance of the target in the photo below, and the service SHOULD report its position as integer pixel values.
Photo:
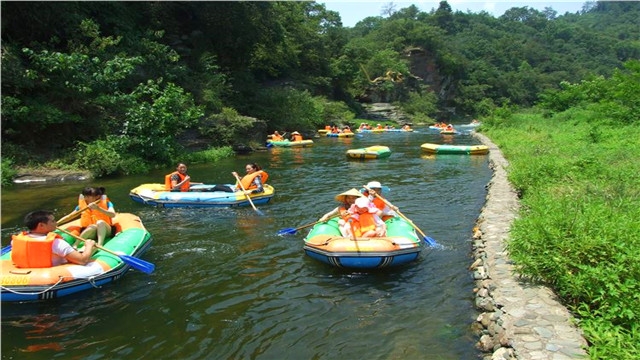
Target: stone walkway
(520, 320)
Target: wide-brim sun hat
(353, 192)
(295, 133)
(374, 184)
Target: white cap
(374, 184)
(362, 202)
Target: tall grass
(579, 227)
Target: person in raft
(363, 220)
(295, 136)
(276, 136)
(385, 211)
(346, 200)
(97, 220)
(40, 247)
(252, 182)
(178, 180)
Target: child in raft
(364, 220)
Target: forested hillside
(84, 81)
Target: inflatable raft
(341, 135)
(199, 196)
(287, 143)
(401, 246)
(371, 152)
(28, 284)
(455, 149)
(379, 131)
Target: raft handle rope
(39, 292)
(90, 280)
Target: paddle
(292, 231)
(134, 262)
(247, 196)
(63, 220)
(426, 239)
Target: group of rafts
(352, 238)
(26, 279)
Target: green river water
(226, 286)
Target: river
(226, 286)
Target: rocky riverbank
(519, 319)
(28, 175)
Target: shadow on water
(226, 286)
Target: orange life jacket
(277, 138)
(90, 217)
(27, 252)
(363, 223)
(183, 187)
(297, 137)
(343, 210)
(380, 205)
(247, 180)
(327, 127)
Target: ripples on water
(227, 287)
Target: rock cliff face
(384, 111)
(424, 71)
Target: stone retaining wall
(519, 320)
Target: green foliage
(209, 155)
(154, 114)
(578, 230)
(227, 127)
(8, 172)
(106, 157)
(100, 157)
(335, 112)
(421, 103)
(616, 98)
(296, 110)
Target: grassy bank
(579, 228)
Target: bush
(8, 173)
(209, 155)
(106, 157)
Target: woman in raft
(252, 182)
(346, 200)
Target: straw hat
(295, 133)
(352, 192)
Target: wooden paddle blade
(138, 264)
